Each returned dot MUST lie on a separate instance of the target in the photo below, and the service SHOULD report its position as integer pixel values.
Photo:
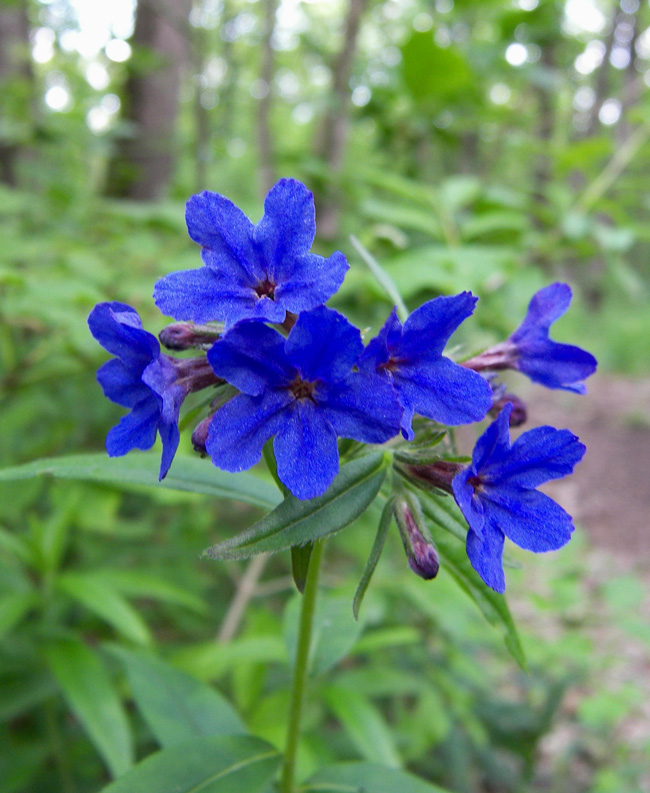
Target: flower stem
(300, 669)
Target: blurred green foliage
(103, 603)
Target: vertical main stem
(300, 669)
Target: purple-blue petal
(306, 450)
(545, 307)
(136, 430)
(226, 236)
(170, 436)
(380, 349)
(309, 281)
(537, 456)
(287, 229)
(117, 327)
(531, 519)
(252, 357)
(469, 503)
(444, 391)
(494, 442)
(428, 328)
(241, 427)
(486, 556)
(324, 345)
(555, 365)
(121, 384)
(364, 407)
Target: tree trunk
(264, 142)
(144, 160)
(334, 131)
(15, 85)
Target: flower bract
(252, 271)
(427, 382)
(497, 494)
(302, 390)
(546, 361)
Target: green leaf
(296, 522)
(433, 73)
(366, 778)
(225, 764)
(103, 600)
(210, 660)
(382, 278)
(176, 707)
(453, 558)
(334, 631)
(188, 474)
(87, 688)
(300, 556)
(375, 553)
(364, 725)
(13, 608)
(138, 583)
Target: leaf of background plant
(362, 777)
(20, 693)
(139, 583)
(300, 556)
(364, 725)
(225, 764)
(334, 631)
(188, 473)
(433, 73)
(88, 689)
(296, 522)
(210, 660)
(453, 556)
(103, 600)
(176, 707)
(13, 608)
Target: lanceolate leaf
(226, 764)
(453, 557)
(296, 522)
(366, 778)
(176, 707)
(188, 473)
(90, 693)
(373, 559)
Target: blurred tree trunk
(334, 131)
(264, 142)
(15, 85)
(145, 154)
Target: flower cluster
(297, 372)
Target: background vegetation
(469, 144)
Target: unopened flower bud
(501, 356)
(420, 551)
(185, 335)
(519, 414)
(436, 476)
(200, 435)
(194, 374)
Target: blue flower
(140, 378)
(303, 391)
(252, 271)
(497, 494)
(426, 382)
(546, 361)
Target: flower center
(302, 389)
(266, 289)
(475, 482)
(390, 365)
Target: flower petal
(287, 229)
(486, 556)
(204, 295)
(252, 357)
(364, 407)
(555, 365)
(239, 429)
(118, 328)
(169, 435)
(310, 281)
(537, 456)
(531, 519)
(306, 451)
(386, 342)
(121, 384)
(443, 391)
(136, 430)
(428, 328)
(226, 236)
(469, 503)
(324, 345)
(545, 307)
(494, 442)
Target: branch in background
(246, 589)
(267, 170)
(334, 131)
(602, 76)
(201, 118)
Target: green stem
(300, 669)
